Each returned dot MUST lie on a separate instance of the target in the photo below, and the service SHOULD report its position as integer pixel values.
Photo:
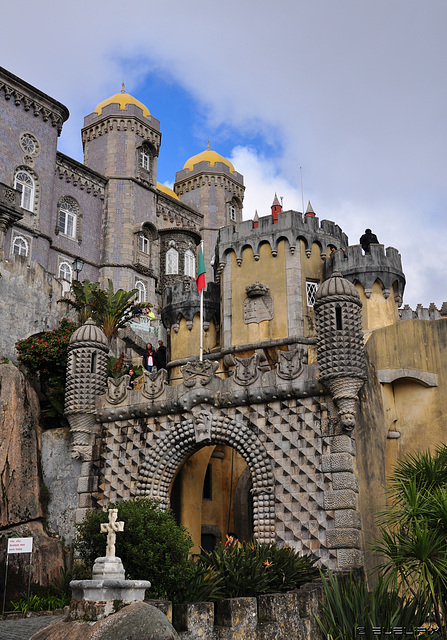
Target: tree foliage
(414, 531)
(152, 546)
(111, 310)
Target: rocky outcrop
(22, 494)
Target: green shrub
(250, 568)
(152, 546)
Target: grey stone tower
(341, 359)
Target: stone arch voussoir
(165, 457)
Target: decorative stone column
(341, 362)
(86, 379)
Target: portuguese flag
(200, 280)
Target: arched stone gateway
(206, 428)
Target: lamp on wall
(78, 265)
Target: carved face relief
(290, 363)
(203, 421)
(117, 389)
(348, 421)
(246, 371)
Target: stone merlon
(378, 264)
(291, 226)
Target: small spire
(208, 145)
(123, 88)
(310, 211)
(256, 218)
(276, 202)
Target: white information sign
(20, 545)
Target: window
(143, 243)
(65, 271)
(67, 218)
(171, 261)
(29, 144)
(24, 183)
(144, 159)
(207, 492)
(141, 291)
(338, 319)
(232, 210)
(311, 290)
(190, 264)
(20, 246)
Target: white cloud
(354, 92)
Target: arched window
(190, 264)
(144, 158)
(171, 261)
(67, 218)
(143, 243)
(24, 183)
(20, 246)
(232, 211)
(141, 291)
(65, 271)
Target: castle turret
(209, 183)
(341, 359)
(276, 208)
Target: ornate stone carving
(258, 306)
(246, 371)
(117, 389)
(195, 372)
(203, 421)
(290, 363)
(154, 383)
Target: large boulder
(139, 621)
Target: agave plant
(414, 531)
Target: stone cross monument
(111, 528)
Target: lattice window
(67, 218)
(20, 246)
(311, 290)
(171, 261)
(190, 264)
(24, 183)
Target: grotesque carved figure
(203, 420)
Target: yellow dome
(167, 191)
(123, 99)
(207, 156)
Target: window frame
(141, 289)
(27, 191)
(189, 267)
(144, 159)
(311, 290)
(64, 263)
(143, 244)
(26, 243)
(63, 223)
(171, 262)
(232, 212)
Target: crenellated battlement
(380, 264)
(423, 313)
(290, 226)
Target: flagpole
(201, 317)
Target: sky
(353, 92)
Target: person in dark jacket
(160, 356)
(368, 238)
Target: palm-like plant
(414, 531)
(109, 309)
